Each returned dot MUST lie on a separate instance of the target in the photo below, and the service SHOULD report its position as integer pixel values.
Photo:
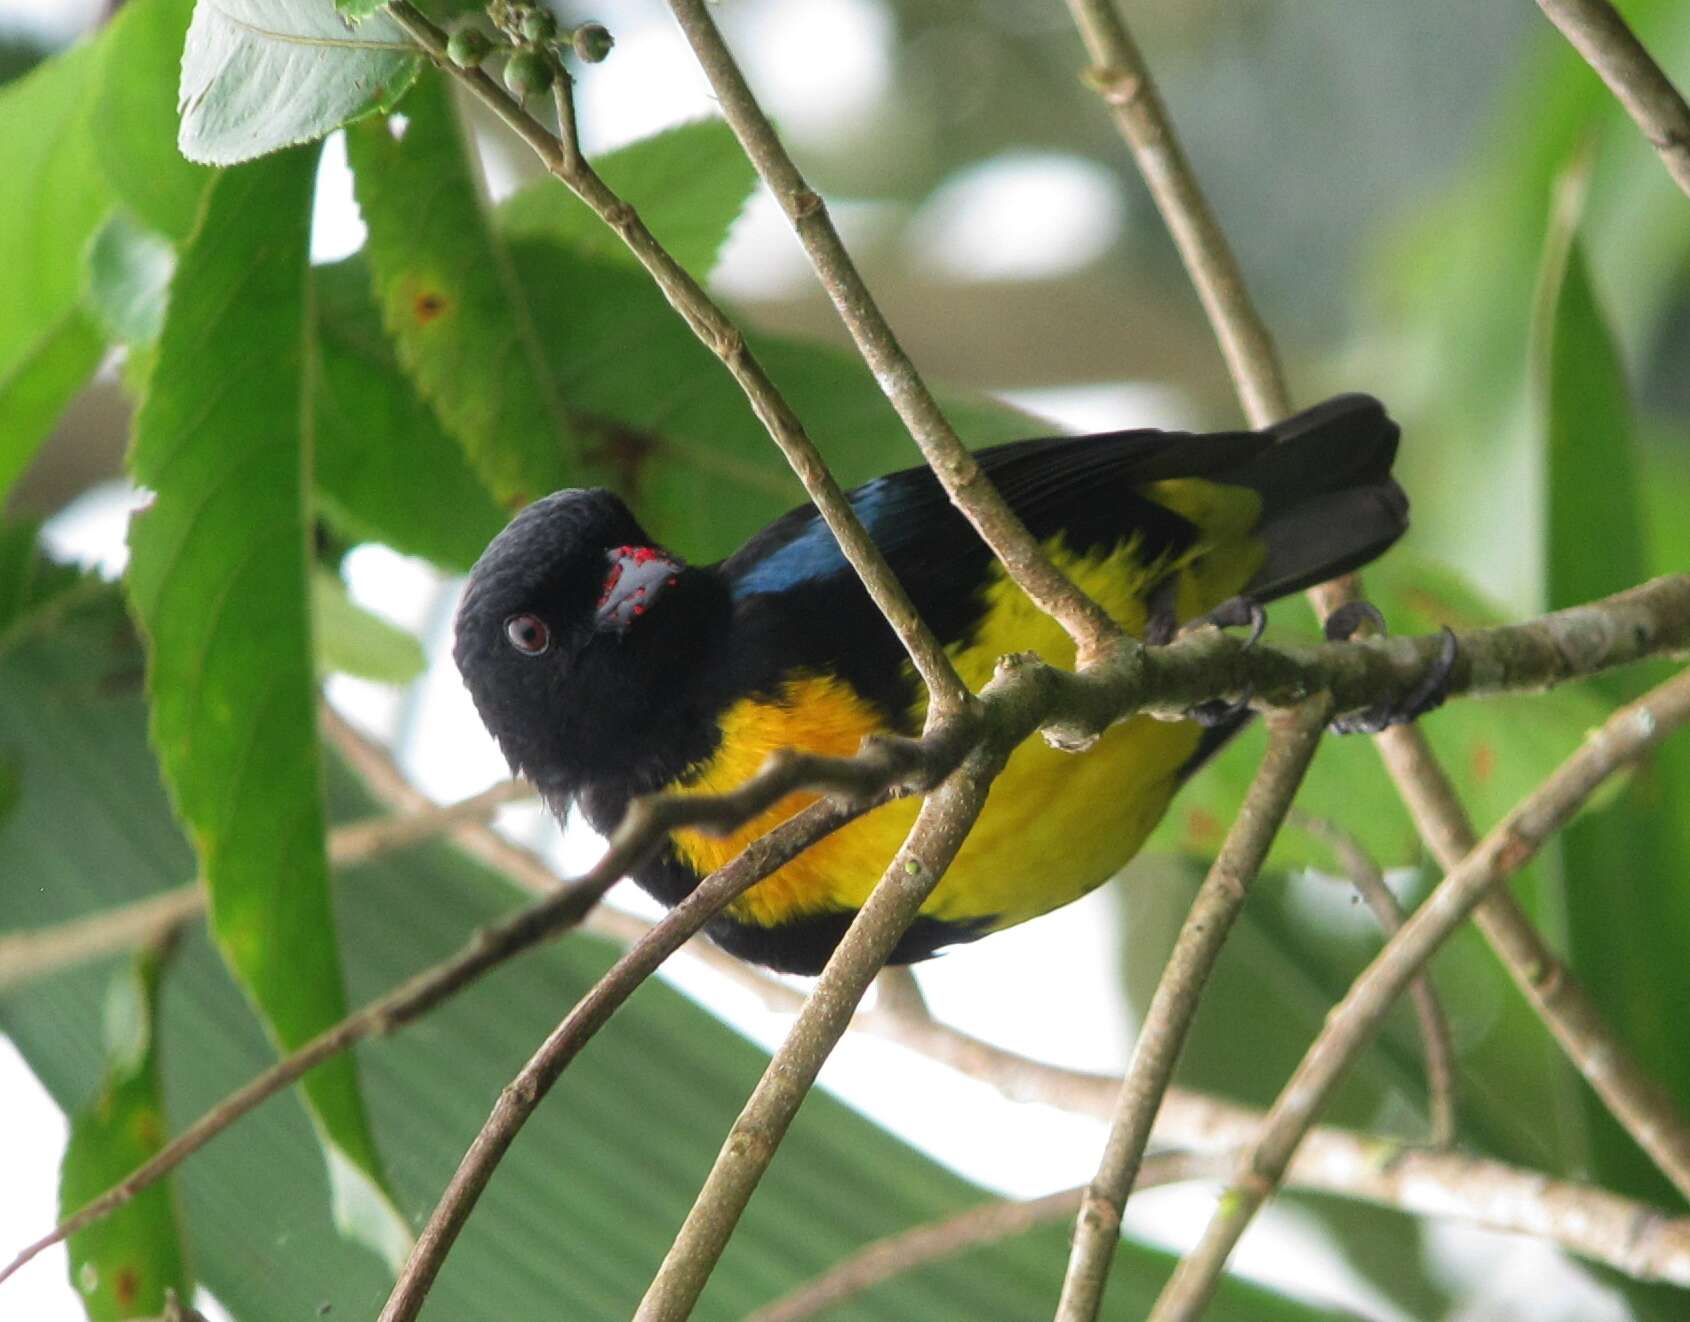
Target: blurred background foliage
(1434, 202)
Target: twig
(1120, 76)
(946, 816)
(1600, 35)
(1097, 1230)
(970, 490)
(30, 954)
(1643, 1108)
(1369, 880)
(642, 829)
(524, 1093)
(1625, 736)
(562, 157)
(911, 1249)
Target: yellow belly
(1055, 826)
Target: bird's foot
(1425, 696)
(1233, 613)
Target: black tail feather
(1329, 504)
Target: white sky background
(1048, 988)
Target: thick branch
(1624, 737)
(1597, 32)
(1097, 1231)
(562, 157)
(969, 488)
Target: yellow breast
(1055, 826)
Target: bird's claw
(1425, 696)
(1234, 613)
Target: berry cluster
(531, 42)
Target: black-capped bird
(607, 667)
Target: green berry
(528, 73)
(468, 47)
(592, 42)
(539, 27)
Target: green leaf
(385, 469)
(123, 1265)
(46, 158)
(40, 386)
(33, 588)
(691, 458)
(260, 75)
(1625, 932)
(357, 10)
(463, 321)
(355, 642)
(129, 270)
(134, 119)
(689, 184)
(575, 1223)
(218, 576)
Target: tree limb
(1598, 33)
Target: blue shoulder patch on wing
(813, 553)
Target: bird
(607, 667)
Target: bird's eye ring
(528, 634)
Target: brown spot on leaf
(427, 305)
(147, 1129)
(125, 1286)
(1202, 827)
(1484, 763)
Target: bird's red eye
(528, 634)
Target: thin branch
(1368, 878)
(1631, 1237)
(33, 953)
(1622, 739)
(946, 816)
(970, 490)
(1097, 1230)
(563, 158)
(643, 828)
(989, 1223)
(523, 1094)
(1646, 1111)
(1121, 77)
(1600, 35)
